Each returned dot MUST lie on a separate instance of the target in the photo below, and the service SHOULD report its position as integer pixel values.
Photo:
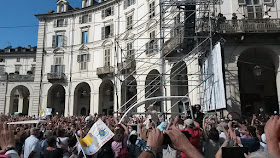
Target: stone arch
(56, 99)
(82, 98)
(178, 84)
(128, 92)
(154, 88)
(19, 100)
(106, 97)
(257, 80)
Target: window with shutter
(64, 41)
(54, 41)
(79, 58)
(124, 4)
(103, 14)
(103, 32)
(152, 9)
(130, 50)
(80, 20)
(112, 30)
(89, 17)
(107, 57)
(129, 21)
(65, 22)
(83, 62)
(55, 23)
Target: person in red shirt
(194, 130)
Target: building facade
(18, 84)
(106, 56)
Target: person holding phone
(252, 142)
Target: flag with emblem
(97, 136)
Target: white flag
(97, 136)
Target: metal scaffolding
(184, 36)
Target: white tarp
(214, 92)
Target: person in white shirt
(31, 147)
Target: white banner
(214, 92)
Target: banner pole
(81, 146)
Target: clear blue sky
(14, 13)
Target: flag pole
(81, 146)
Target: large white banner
(214, 92)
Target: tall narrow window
(60, 41)
(84, 37)
(84, 60)
(151, 46)
(130, 50)
(33, 69)
(129, 22)
(18, 59)
(62, 9)
(152, 9)
(107, 57)
(58, 64)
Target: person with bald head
(31, 148)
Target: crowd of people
(144, 136)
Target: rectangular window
(84, 37)
(62, 9)
(34, 59)
(18, 59)
(152, 9)
(59, 40)
(254, 9)
(58, 67)
(2, 59)
(2, 69)
(107, 57)
(130, 50)
(107, 12)
(85, 18)
(129, 21)
(128, 3)
(107, 31)
(152, 46)
(60, 23)
(17, 68)
(84, 60)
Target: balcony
(56, 76)
(20, 78)
(172, 44)
(105, 70)
(3, 77)
(242, 26)
(127, 66)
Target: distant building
(17, 80)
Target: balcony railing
(172, 44)
(105, 70)
(128, 64)
(20, 78)
(54, 76)
(3, 77)
(241, 26)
